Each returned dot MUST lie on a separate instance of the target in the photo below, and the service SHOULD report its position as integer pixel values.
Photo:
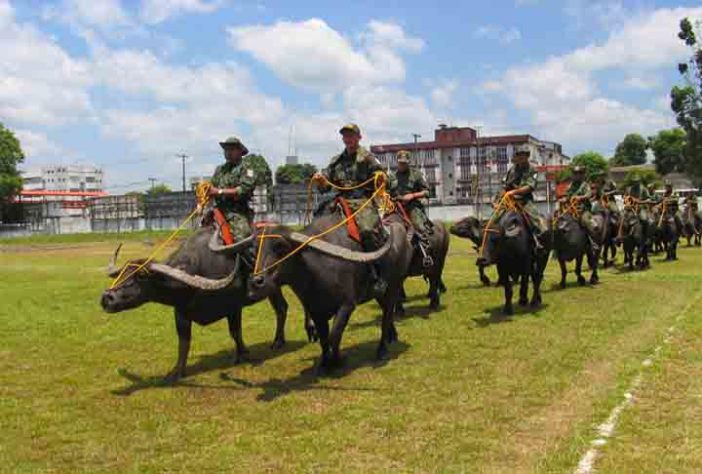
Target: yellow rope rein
(379, 180)
(506, 202)
(201, 194)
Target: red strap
(224, 228)
(351, 225)
(403, 213)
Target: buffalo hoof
(562, 284)
(508, 310)
(581, 280)
(382, 352)
(485, 281)
(442, 287)
(392, 335)
(241, 355)
(523, 302)
(594, 280)
(434, 304)
(311, 333)
(174, 375)
(278, 344)
(535, 302)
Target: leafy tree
(158, 189)
(293, 174)
(686, 101)
(630, 151)
(669, 149)
(590, 160)
(648, 176)
(10, 156)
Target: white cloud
(41, 83)
(641, 83)
(562, 95)
(498, 33)
(37, 145)
(443, 92)
(157, 11)
(313, 56)
(103, 13)
(587, 14)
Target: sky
(128, 84)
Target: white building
(459, 166)
(72, 178)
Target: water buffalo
(571, 242)
(609, 244)
(692, 227)
(201, 283)
(508, 244)
(633, 238)
(331, 277)
(432, 271)
(471, 228)
(669, 232)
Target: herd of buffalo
(205, 280)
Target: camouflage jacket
(229, 176)
(411, 181)
(640, 193)
(581, 189)
(671, 203)
(518, 177)
(351, 170)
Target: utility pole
(478, 193)
(182, 157)
(153, 181)
(414, 151)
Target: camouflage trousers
(239, 224)
(420, 221)
(368, 221)
(611, 206)
(586, 221)
(535, 221)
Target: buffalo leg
(321, 323)
(234, 321)
(280, 306)
(483, 277)
(388, 332)
(442, 286)
(537, 278)
(579, 269)
(524, 290)
(508, 309)
(564, 272)
(184, 330)
(341, 319)
(594, 277)
(434, 295)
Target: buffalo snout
(107, 301)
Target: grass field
(464, 391)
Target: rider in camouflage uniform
(408, 186)
(232, 187)
(603, 195)
(640, 194)
(350, 168)
(520, 182)
(580, 192)
(669, 204)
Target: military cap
(578, 169)
(350, 127)
(636, 178)
(668, 183)
(522, 150)
(403, 156)
(232, 142)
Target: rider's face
(233, 153)
(350, 139)
(402, 167)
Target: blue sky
(128, 84)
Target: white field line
(606, 429)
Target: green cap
(668, 184)
(350, 127)
(403, 156)
(233, 142)
(636, 178)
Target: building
(461, 167)
(71, 178)
(291, 160)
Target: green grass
(88, 237)
(465, 390)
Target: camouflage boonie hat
(403, 156)
(350, 127)
(636, 178)
(668, 183)
(233, 142)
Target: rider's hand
(407, 198)
(212, 191)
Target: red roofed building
(458, 164)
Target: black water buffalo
(669, 232)
(471, 228)
(634, 238)
(437, 250)
(331, 277)
(692, 227)
(202, 283)
(508, 244)
(609, 243)
(571, 242)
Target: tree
(294, 174)
(630, 151)
(11, 155)
(686, 101)
(158, 189)
(669, 149)
(647, 176)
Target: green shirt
(518, 177)
(580, 189)
(638, 192)
(230, 175)
(411, 181)
(349, 170)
